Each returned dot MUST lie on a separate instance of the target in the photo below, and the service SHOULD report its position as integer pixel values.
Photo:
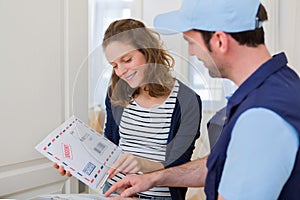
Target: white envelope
(81, 150)
(71, 197)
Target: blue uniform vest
(273, 86)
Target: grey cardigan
(184, 130)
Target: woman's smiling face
(129, 64)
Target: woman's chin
(133, 86)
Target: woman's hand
(126, 163)
(62, 170)
(130, 164)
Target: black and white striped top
(144, 133)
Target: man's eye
(127, 60)
(115, 66)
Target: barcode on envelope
(89, 168)
(100, 147)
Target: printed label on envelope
(67, 151)
(81, 150)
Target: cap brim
(171, 23)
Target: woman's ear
(220, 41)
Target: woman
(152, 116)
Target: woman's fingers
(62, 170)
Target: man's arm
(261, 155)
(191, 174)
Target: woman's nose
(121, 70)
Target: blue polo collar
(256, 79)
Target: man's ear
(220, 41)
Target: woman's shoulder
(185, 89)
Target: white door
(43, 43)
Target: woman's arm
(130, 164)
(127, 163)
(185, 127)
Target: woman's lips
(129, 77)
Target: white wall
(282, 29)
(43, 42)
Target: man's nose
(191, 51)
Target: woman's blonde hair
(157, 76)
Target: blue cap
(211, 15)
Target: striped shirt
(150, 141)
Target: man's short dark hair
(251, 38)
